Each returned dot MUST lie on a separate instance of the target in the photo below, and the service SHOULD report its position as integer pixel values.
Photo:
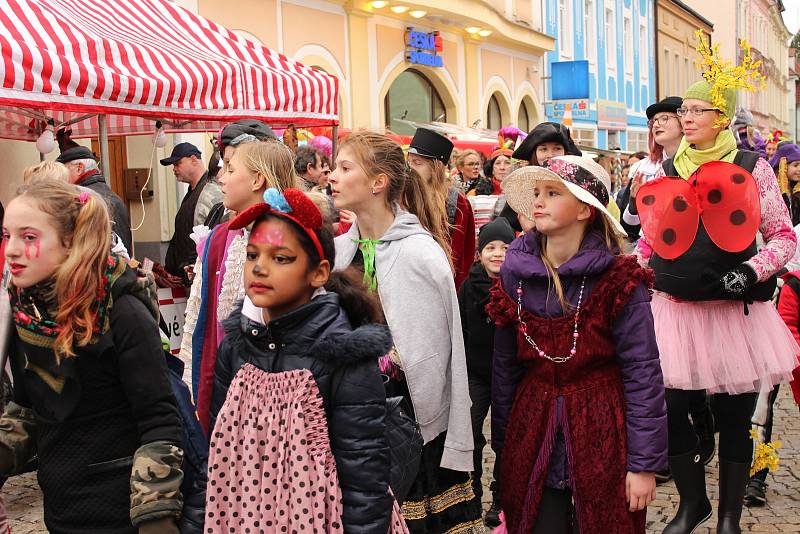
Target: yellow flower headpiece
(725, 78)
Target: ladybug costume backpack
(702, 227)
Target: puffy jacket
(344, 362)
(116, 208)
(473, 296)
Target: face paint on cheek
(33, 249)
(272, 237)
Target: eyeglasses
(477, 164)
(696, 112)
(661, 120)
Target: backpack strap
(452, 203)
(745, 159)
(669, 167)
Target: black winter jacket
(473, 296)
(116, 208)
(344, 362)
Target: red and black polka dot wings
(724, 195)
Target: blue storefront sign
(570, 79)
(423, 48)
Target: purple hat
(790, 151)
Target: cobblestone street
(782, 513)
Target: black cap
(259, 130)
(546, 132)
(180, 151)
(429, 144)
(497, 230)
(76, 152)
(669, 104)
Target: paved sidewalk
(782, 513)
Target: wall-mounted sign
(580, 109)
(570, 79)
(612, 115)
(423, 48)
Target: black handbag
(405, 448)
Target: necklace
(523, 328)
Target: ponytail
(361, 306)
(429, 204)
(83, 220)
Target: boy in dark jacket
(473, 296)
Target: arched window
(523, 117)
(412, 97)
(494, 119)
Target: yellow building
(490, 54)
(676, 24)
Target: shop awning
(138, 61)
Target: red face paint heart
(263, 236)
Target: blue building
(617, 38)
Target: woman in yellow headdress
(715, 325)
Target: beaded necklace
(523, 328)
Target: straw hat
(584, 178)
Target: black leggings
(556, 513)
(733, 413)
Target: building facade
(762, 25)
(676, 27)
(615, 37)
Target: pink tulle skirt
(713, 345)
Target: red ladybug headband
(723, 195)
(293, 205)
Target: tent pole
(104, 160)
(335, 147)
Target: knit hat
(497, 230)
(702, 91)
(790, 151)
(258, 129)
(742, 119)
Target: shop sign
(612, 115)
(580, 109)
(423, 48)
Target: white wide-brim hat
(586, 179)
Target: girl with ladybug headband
(298, 406)
(716, 327)
(577, 395)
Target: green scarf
(367, 248)
(688, 159)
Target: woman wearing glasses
(715, 327)
(468, 164)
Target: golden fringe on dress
(416, 510)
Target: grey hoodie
(415, 284)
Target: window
(666, 79)
(589, 32)
(584, 137)
(611, 40)
(523, 117)
(494, 119)
(644, 53)
(637, 142)
(613, 140)
(412, 97)
(627, 43)
(679, 87)
(565, 36)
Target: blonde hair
(270, 160)
(51, 170)
(377, 154)
(429, 197)
(85, 230)
(463, 155)
(614, 241)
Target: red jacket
(789, 309)
(462, 240)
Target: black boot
(733, 478)
(492, 517)
(690, 479)
(703, 424)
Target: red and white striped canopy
(144, 60)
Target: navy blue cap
(181, 150)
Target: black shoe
(492, 517)
(704, 428)
(690, 479)
(756, 493)
(662, 477)
(732, 482)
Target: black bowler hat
(179, 151)
(429, 144)
(76, 152)
(669, 104)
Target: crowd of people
(353, 318)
